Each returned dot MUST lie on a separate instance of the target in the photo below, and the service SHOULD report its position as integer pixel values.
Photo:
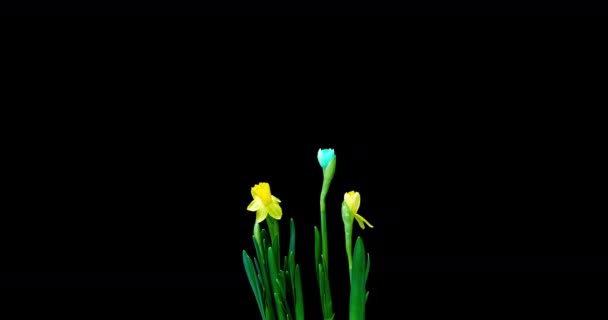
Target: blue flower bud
(325, 156)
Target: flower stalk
(350, 206)
(327, 160)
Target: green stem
(327, 305)
(273, 228)
(324, 237)
(258, 237)
(349, 251)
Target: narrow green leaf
(269, 311)
(259, 277)
(325, 298)
(367, 269)
(262, 269)
(289, 291)
(274, 282)
(321, 281)
(267, 282)
(280, 307)
(366, 296)
(273, 230)
(256, 264)
(272, 266)
(265, 245)
(281, 284)
(292, 237)
(259, 252)
(283, 294)
(357, 292)
(359, 259)
(277, 256)
(317, 249)
(292, 264)
(265, 237)
(253, 281)
(263, 289)
(250, 271)
(299, 296)
(292, 275)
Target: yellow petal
(361, 220)
(275, 210)
(261, 214)
(353, 200)
(275, 199)
(255, 204)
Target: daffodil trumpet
(265, 204)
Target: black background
(445, 193)
(235, 7)
(133, 191)
(137, 201)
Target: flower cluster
(276, 282)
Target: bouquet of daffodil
(277, 287)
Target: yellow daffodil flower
(264, 203)
(353, 201)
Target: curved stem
(327, 305)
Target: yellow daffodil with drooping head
(350, 206)
(264, 203)
(352, 200)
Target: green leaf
(292, 238)
(273, 229)
(259, 276)
(317, 250)
(272, 266)
(250, 271)
(258, 251)
(267, 283)
(299, 295)
(263, 289)
(289, 289)
(283, 294)
(357, 291)
(367, 269)
(321, 282)
(281, 284)
(291, 260)
(269, 312)
(292, 275)
(274, 277)
(280, 307)
(253, 281)
(323, 286)
(265, 238)
(261, 265)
